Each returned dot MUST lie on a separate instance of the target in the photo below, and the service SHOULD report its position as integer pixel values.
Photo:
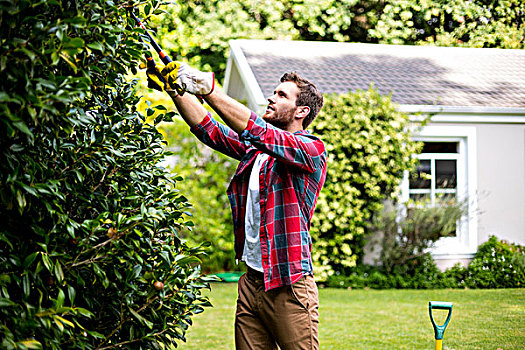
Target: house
(474, 144)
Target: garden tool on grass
(439, 330)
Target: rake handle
(439, 330)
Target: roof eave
(238, 58)
(465, 114)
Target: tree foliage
(369, 147)
(199, 31)
(90, 248)
(477, 23)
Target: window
(437, 175)
(447, 169)
(435, 179)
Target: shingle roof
(416, 75)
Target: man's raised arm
(234, 113)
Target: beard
(280, 119)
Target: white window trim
(464, 245)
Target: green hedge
(497, 264)
(90, 247)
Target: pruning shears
(162, 54)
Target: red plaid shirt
(289, 184)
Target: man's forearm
(235, 114)
(191, 110)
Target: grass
(386, 319)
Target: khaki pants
(287, 316)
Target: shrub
(369, 147)
(497, 264)
(90, 249)
(207, 175)
(454, 277)
(419, 273)
(402, 237)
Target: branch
(130, 341)
(122, 321)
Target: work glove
(155, 79)
(188, 79)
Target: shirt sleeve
(220, 137)
(300, 149)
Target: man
(272, 195)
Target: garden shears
(162, 54)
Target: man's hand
(155, 79)
(188, 79)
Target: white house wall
(233, 84)
(501, 182)
(500, 177)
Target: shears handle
(162, 54)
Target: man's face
(281, 108)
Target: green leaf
(74, 43)
(137, 269)
(6, 302)
(135, 314)
(59, 274)
(20, 125)
(85, 312)
(30, 344)
(60, 299)
(58, 323)
(29, 259)
(72, 294)
(96, 46)
(64, 321)
(65, 56)
(29, 53)
(26, 285)
(185, 260)
(47, 262)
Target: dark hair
(308, 96)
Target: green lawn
(386, 319)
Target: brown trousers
(287, 316)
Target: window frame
(433, 157)
(464, 244)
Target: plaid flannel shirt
(289, 184)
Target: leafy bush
(207, 174)
(419, 273)
(406, 236)
(455, 277)
(369, 147)
(497, 264)
(90, 248)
